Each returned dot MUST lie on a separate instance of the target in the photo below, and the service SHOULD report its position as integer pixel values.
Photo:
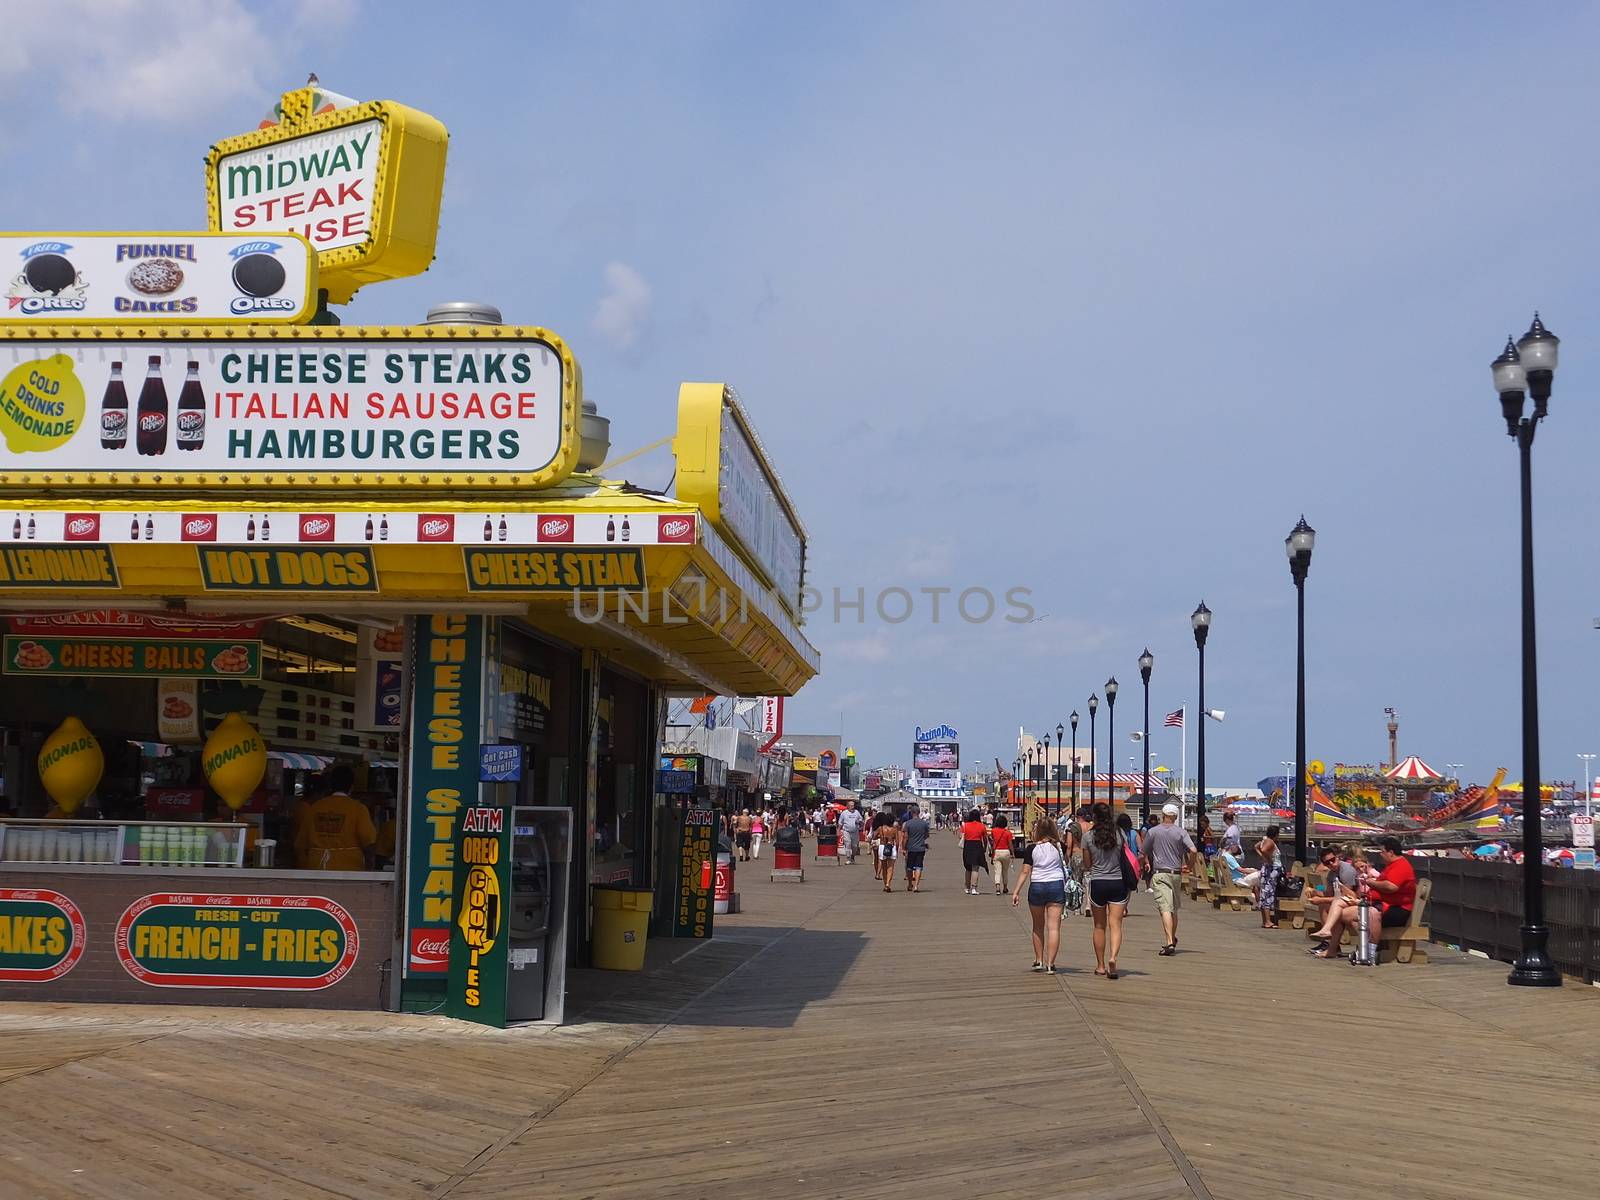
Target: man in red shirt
(1395, 886)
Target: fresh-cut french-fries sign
(410, 407)
(155, 279)
(362, 184)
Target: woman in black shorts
(1104, 855)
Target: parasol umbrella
(1487, 850)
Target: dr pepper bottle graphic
(191, 411)
(114, 412)
(152, 433)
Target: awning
(387, 764)
(296, 761)
(152, 749)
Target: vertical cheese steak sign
(42, 935)
(361, 184)
(273, 943)
(414, 407)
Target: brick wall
(103, 895)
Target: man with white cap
(1166, 849)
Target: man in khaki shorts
(1165, 850)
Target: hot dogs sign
(350, 407)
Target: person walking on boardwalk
(879, 820)
(742, 825)
(974, 855)
(849, 832)
(1000, 854)
(1105, 860)
(887, 838)
(1166, 849)
(1044, 876)
(914, 831)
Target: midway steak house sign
(313, 410)
(321, 186)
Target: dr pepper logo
(316, 527)
(198, 527)
(555, 529)
(675, 529)
(82, 527)
(430, 951)
(436, 527)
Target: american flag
(1174, 720)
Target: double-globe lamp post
(1524, 367)
(1298, 546)
(1146, 662)
(1200, 619)
(1111, 742)
(1094, 756)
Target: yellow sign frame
(697, 446)
(323, 482)
(308, 303)
(408, 185)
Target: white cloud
(624, 310)
(155, 61)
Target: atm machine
(541, 860)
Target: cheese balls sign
(70, 764)
(234, 760)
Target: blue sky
(1091, 300)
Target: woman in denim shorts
(1044, 877)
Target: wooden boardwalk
(833, 1041)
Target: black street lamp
(1044, 778)
(1529, 366)
(1016, 775)
(1074, 721)
(1059, 732)
(1111, 741)
(1146, 662)
(1298, 547)
(1094, 706)
(1201, 620)
(1028, 755)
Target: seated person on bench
(1249, 880)
(1396, 886)
(1342, 900)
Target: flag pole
(1183, 779)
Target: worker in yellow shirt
(336, 833)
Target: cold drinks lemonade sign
(323, 408)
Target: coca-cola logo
(430, 951)
(200, 528)
(675, 529)
(82, 527)
(555, 529)
(316, 527)
(436, 527)
(153, 422)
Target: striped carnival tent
(1412, 770)
(1326, 818)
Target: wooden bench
(1227, 892)
(1408, 943)
(1198, 882)
(1294, 907)
(1404, 944)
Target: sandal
(1111, 970)
(1099, 970)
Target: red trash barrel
(785, 860)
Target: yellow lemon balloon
(234, 759)
(70, 764)
(41, 404)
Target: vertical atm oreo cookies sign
(446, 719)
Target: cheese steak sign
(525, 570)
(42, 935)
(327, 406)
(274, 943)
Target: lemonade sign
(234, 760)
(70, 764)
(41, 405)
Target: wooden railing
(1478, 906)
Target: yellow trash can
(621, 925)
